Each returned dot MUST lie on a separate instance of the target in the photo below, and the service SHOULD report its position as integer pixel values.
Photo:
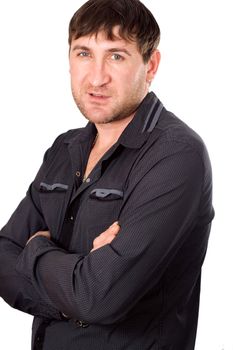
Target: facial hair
(119, 111)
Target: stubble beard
(118, 112)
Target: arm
(15, 289)
(155, 221)
(19, 291)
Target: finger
(42, 233)
(113, 228)
(109, 232)
(116, 223)
(100, 242)
(109, 239)
(45, 234)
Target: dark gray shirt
(141, 292)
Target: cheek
(141, 75)
(133, 78)
(77, 76)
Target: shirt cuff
(26, 262)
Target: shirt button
(78, 174)
(38, 342)
(71, 218)
(88, 180)
(82, 324)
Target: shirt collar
(144, 121)
(136, 132)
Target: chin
(100, 117)
(101, 120)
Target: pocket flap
(106, 194)
(53, 187)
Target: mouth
(98, 96)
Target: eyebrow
(118, 49)
(114, 49)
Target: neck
(109, 133)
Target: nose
(99, 75)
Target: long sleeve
(159, 217)
(15, 289)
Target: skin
(108, 81)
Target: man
(107, 246)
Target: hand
(40, 233)
(106, 237)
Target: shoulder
(174, 129)
(176, 146)
(68, 136)
(174, 134)
(62, 141)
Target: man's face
(108, 78)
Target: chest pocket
(103, 205)
(52, 198)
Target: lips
(98, 98)
(98, 95)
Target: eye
(83, 54)
(117, 57)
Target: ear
(152, 65)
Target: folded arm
(16, 289)
(156, 219)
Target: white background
(194, 81)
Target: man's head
(113, 57)
(135, 23)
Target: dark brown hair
(135, 22)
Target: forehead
(101, 39)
